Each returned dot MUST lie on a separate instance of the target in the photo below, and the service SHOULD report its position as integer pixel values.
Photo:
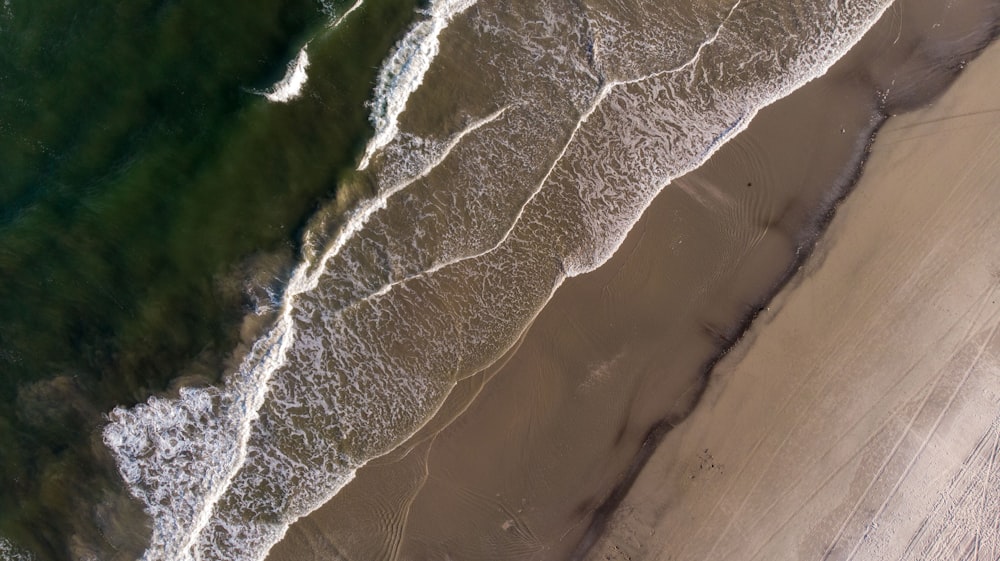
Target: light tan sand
(860, 417)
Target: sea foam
(404, 71)
(433, 278)
(9, 552)
(336, 23)
(179, 456)
(290, 87)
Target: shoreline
(804, 253)
(935, 473)
(343, 473)
(723, 338)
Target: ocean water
(155, 178)
(513, 144)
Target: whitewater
(290, 87)
(533, 174)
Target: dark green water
(142, 187)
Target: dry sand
(860, 417)
(530, 459)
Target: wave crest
(469, 234)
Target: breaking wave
(290, 87)
(568, 119)
(404, 71)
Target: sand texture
(575, 445)
(859, 417)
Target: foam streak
(404, 71)
(365, 212)
(598, 99)
(290, 87)
(338, 21)
(215, 429)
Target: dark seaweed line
(808, 238)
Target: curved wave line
(283, 335)
(343, 16)
(363, 213)
(598, 99)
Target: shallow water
(149, 200)
(515, 144)
(531, 138)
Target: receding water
(149, 199)
(515, 143)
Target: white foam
(187, 459)
(360, 216)
(210, 427)
(10, 552)
(403, 72)
(179, 456)
(343, 16)
(290, 87)
(837, 46)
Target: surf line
(302, 281)
(403, 72)
(336, 23)
(290, 86)
(808, 71)
(733, 129)
(260, 368)
(360, 216)
(598, 99)
(740, 123)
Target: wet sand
(530, 459)
(859, 417)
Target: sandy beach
(858, 417)
(861, 384)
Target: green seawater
(143, 187)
